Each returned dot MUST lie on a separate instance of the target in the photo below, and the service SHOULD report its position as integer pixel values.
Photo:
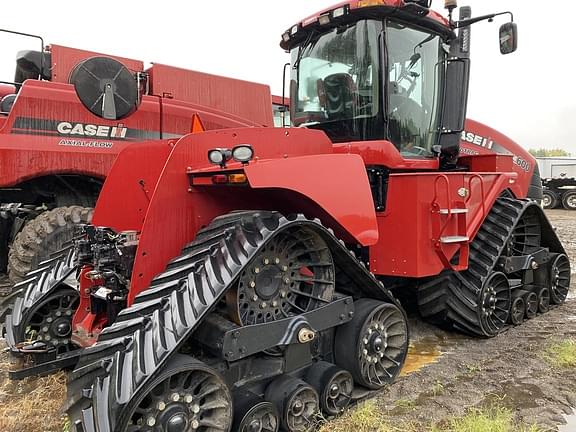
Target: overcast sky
(529, 95)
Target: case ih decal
(36, 126)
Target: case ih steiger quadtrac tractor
(252, 285)
(67, 115)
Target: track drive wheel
(494, 302)
(559, 279)
(517, 311)
(187, 396)
(50, 321)
(292, 274)
(373, 346)
(43, 236)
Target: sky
(529, 95)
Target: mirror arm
(490, 17)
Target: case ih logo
(91, 130)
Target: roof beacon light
(450, 4)
(243, 153)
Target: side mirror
(508, 38)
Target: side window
(414, 89)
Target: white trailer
(559, 181)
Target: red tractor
(66, 117)
(254, 283)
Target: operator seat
(341, 94)
(6, 103)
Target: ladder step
(453, 211)
(454, 239)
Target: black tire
(569, 200)
(43, 236)
(550, 199)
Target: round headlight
(243, 153)
(218, 156)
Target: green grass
(366, 417)
(494, 419)
(562, 354)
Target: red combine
(253, 283)
(66, 117)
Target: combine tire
(569, 200)
(550, 199)
(479, 300)
(43, 236)
(205, 304)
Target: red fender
(178, 209)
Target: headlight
(219, 156)
(243, 153)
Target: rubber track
(38, 285)
(135, 348)
(43, 235)
(451, 298)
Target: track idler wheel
(531, 301)
(50, 321)
(187, 396)
(334, 387)
(254, 414)
(559, 275)
(296, 401)
(517, 311)
(544, 300)
(373, 346)
(494, 302)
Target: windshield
(415, 77)
(335, 83)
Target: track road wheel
(373, 346)
(517, 311)
(559, 279)
(259, 417)
(50, 321)
(550, 199)
(495, 302)
(334, 387)
(569, 200)
(186, 396)
(531, 301)
(296, 401)
(42, 236)
(292, 274)
(544, 300)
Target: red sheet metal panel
(65, 59)
(242, 98)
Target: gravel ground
(460, 372)
(508, 370)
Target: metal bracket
(246, 341)
(524, 262)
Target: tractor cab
(378, 70)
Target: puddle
(570, 425)
(422, 353)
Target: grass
(562, 354)
(493, 419)
(366, 417)
(33, 404)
